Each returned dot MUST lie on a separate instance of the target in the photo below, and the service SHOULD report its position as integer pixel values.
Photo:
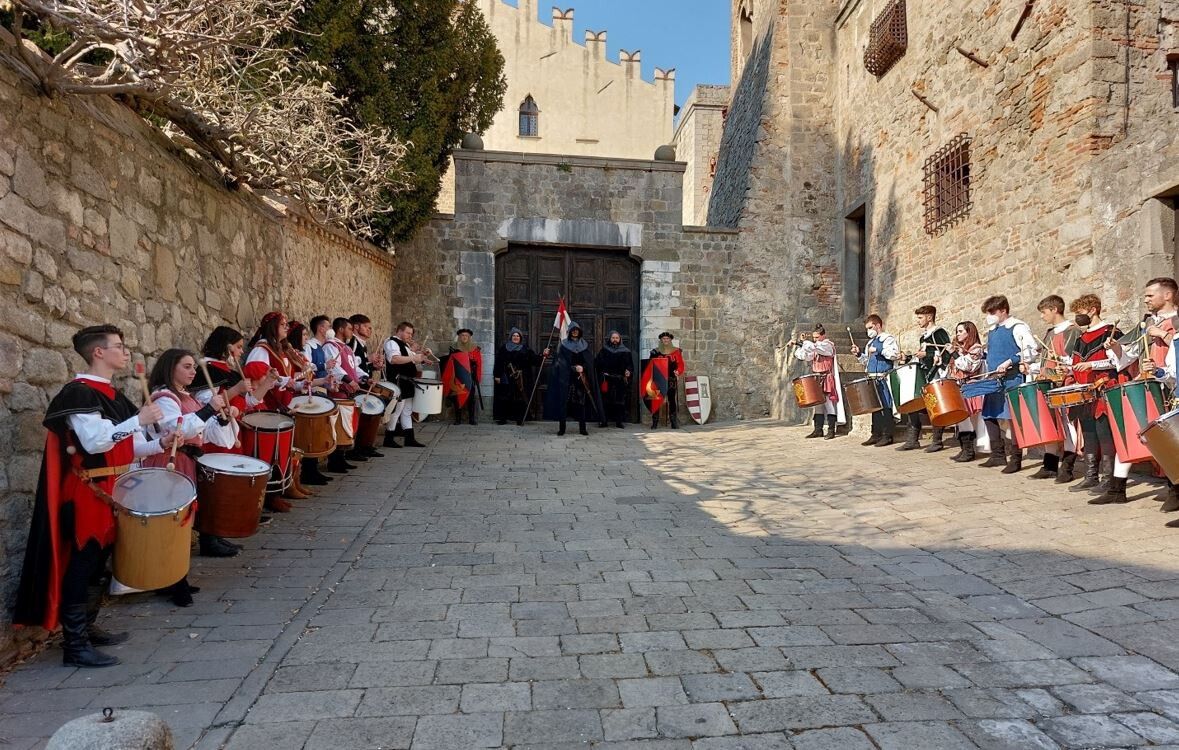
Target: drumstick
(851, 338)
(175, 444)
(225, 412)
(141, 373)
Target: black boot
(884, 440)
(936, 443)
(654, 421)
(830, 427)
(1171, 504)
(99, 636)
(966, 440)
(356, 454)
(603, 425)
(871, 440)
(620, 425)
(998, 455)
(1050, 468)
(410, 441)
(337, 464)
(1115, 494)
(675, 421)
(818, 431)
(581, 430)
(1105, 469)
(390, 440)
(1064, 474)
(1014, 458)
(76, 648)
(310, 474)
(912, 439)
(215, 546)
(561, 428)
(372, 452)
(180, 593)
(1091, 476)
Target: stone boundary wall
(102, 220)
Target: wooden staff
(175, 443)
(225, 412)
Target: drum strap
(89, 475)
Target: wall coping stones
(556, 160)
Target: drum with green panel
(1033, 422)
(1131, 407)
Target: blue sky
(691, 36)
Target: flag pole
(536, 383)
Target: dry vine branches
(216, 76)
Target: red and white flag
(562, 320)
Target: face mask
(1082, 320)
(871, 333)
(992, 320)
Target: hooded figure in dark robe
(616, 367)
(515, 371)
(572, 383)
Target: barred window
(888, 39)
(946, 188)
(529, 118)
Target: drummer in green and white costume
(934, 340)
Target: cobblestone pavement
(719, 588)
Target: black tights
(85, 569)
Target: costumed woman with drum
(95, 435)
(967, 361)
(822, 388)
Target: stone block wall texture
(1073, 170)
(101, 220)
(697, 144)
(446, 276)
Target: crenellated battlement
(528, 25)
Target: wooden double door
(601, 290)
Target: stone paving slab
(719, 588)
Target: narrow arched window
(529, 118)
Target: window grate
(888, 39)
(946, 186)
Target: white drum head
(231, 463)
(268, 421)
(391, 386)
(370, 404)
(312, 405)
(425, 384)
(153, 492)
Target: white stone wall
(589, 106)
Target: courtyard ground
(725, 587)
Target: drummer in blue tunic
(879, 357)
(1010, 343)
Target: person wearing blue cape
(572, 383)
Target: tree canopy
(427, 70)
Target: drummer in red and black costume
(270, 353)
(95, 434)
(820, 352)
(198, 424)
(1061, 337)
(1098, 363)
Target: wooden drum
(1162, 438)
(862, 396)
(346, 422)
(945, 403)
(153, 511)
(315, 431)
(371, 410)
(1071, 395)
(808, 390)
(230, 490)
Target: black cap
(667, 334)
(461, 331)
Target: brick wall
(102, 221)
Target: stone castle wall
(697, 144)
(446, 276)
(1058, 183)
(1073, 158)
(102, 221)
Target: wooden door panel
(601, 290)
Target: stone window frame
(888, 39)
(947, 185)
(529, 118)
